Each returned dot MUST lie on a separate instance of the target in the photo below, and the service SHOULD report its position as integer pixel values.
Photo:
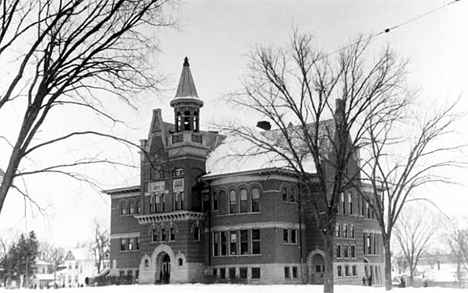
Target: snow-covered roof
(82, 253)
(248, 152)
(42, 263)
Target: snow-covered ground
(197, 288)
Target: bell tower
(187, 139)
(186, 103)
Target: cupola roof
(186, 90)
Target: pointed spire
(186, 88)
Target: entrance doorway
(317, 269)
(165, 269)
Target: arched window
(196, 234)
(172, 231)
(222, 202)
(243, 201)
(138, 207)
(215, 201)
(232, 202)
(131, 208)
(181, 261)
(123, 208)
(146, 263)
(178, 121)
(292, 195)
(195, 121)
(284, 194)
(155, 235)
(186, 120)
(255, 200)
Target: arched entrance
(316, 267)
(164, 264)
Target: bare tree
(296, 88)
(100, 245)
(458, 242)
(406, 151)
(72, 53)
(415, 231)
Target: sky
(217, 36)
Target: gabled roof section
(82, 253)
(239, 154)
(186, 88)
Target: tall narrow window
(255, 200)
(244, 241)
(123, 244)
(338, 250)
(351, 232)
(345, 231)
(343, 203)
(158, 203)
(255, 241)
(353, 251)
(186, 120)
(232, 202)
(155, 235)
(244, 203)
(163, 202)
(285, 235)
(345, 251)
(172, 234)
(338, 230)
(233, 242)
(131, 244)
(284, 194)
(215, 201)
(123, 208)
(215, 243)
(181, 200)
(206, 202)
(293, 236)
(350, 203)
(138, 243)
(138, 206)
(163, 234)
(131, 207)
(292, 195)
(287, 274)
(368, 210)
(196, 234)
(222, 202)
(223, 243)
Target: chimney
(339, 109)
(265, 125)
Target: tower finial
(186, 62)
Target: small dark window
(255, 273)
(215, 273)
(232, 273)
(232, 202)
(181, 262)
(222, 273)
(340, 273)
(285, 235)
(287, 274)
(284, 194)
(243, 273)
(146, 263)
(294, 272)
(196, 234)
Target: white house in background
(80, 264)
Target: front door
(318, 268)
(165, 269)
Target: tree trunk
(329, 254)
(388, 264)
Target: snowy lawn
(197, 288)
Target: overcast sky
(217, 36)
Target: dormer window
(178, 172)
